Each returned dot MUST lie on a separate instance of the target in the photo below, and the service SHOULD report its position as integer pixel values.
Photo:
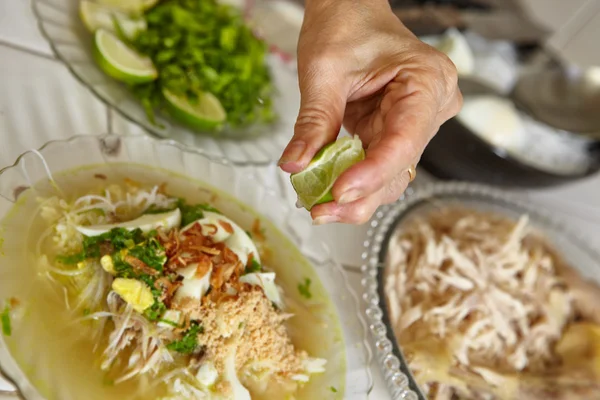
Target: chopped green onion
(5, 321)
(304, 288)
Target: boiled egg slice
(266, 280)
(193, 286)
(146, 223)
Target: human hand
(358, 65)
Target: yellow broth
(56, 352)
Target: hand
(358, 65)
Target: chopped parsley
(253, 267)
(333, 389)
(151, 253)
(189, 342)
(157, 309)
(304, 288)
(116, 239)
(5, 321)
(189, 213)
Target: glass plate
(385, 224)
(290, 226)
(60, 23)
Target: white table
(40, 101)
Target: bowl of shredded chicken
(485, 297)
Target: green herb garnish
(191, 213)
(304, 288)
(115, 239)
(157, 309)
(189, 342)
(5, 321)
(253, 267)
(334, 390)
(205, 46)
(152, 253)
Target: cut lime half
(129, 6)
(120, 61)
(96, 16)
(205, 114)
(313, 185)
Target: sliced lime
(205, 114)
(96, 16)
(313, 185)
(129, 6)
(120, 61)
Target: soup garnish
(173, 291)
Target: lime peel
(96, 16)
(121, 62)
(205, 114)
(313, 184)
(134, 6)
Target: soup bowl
(242, 194)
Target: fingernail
(293, 152)
(349, 196)
(325, 219)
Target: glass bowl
(387, 222)
(239, 193)
(71, 42)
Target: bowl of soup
(133, 268)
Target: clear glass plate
(386, 223)
(287, 225)
(60, 23)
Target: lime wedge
(313, 185)
(121, 62)
(205, 114)
(129, 6)
(96, 16)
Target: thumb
(323, 97)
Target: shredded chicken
(484, 286)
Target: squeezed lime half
(313, 185)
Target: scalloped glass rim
(218, 172)
(397, 375)
(59, 23)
